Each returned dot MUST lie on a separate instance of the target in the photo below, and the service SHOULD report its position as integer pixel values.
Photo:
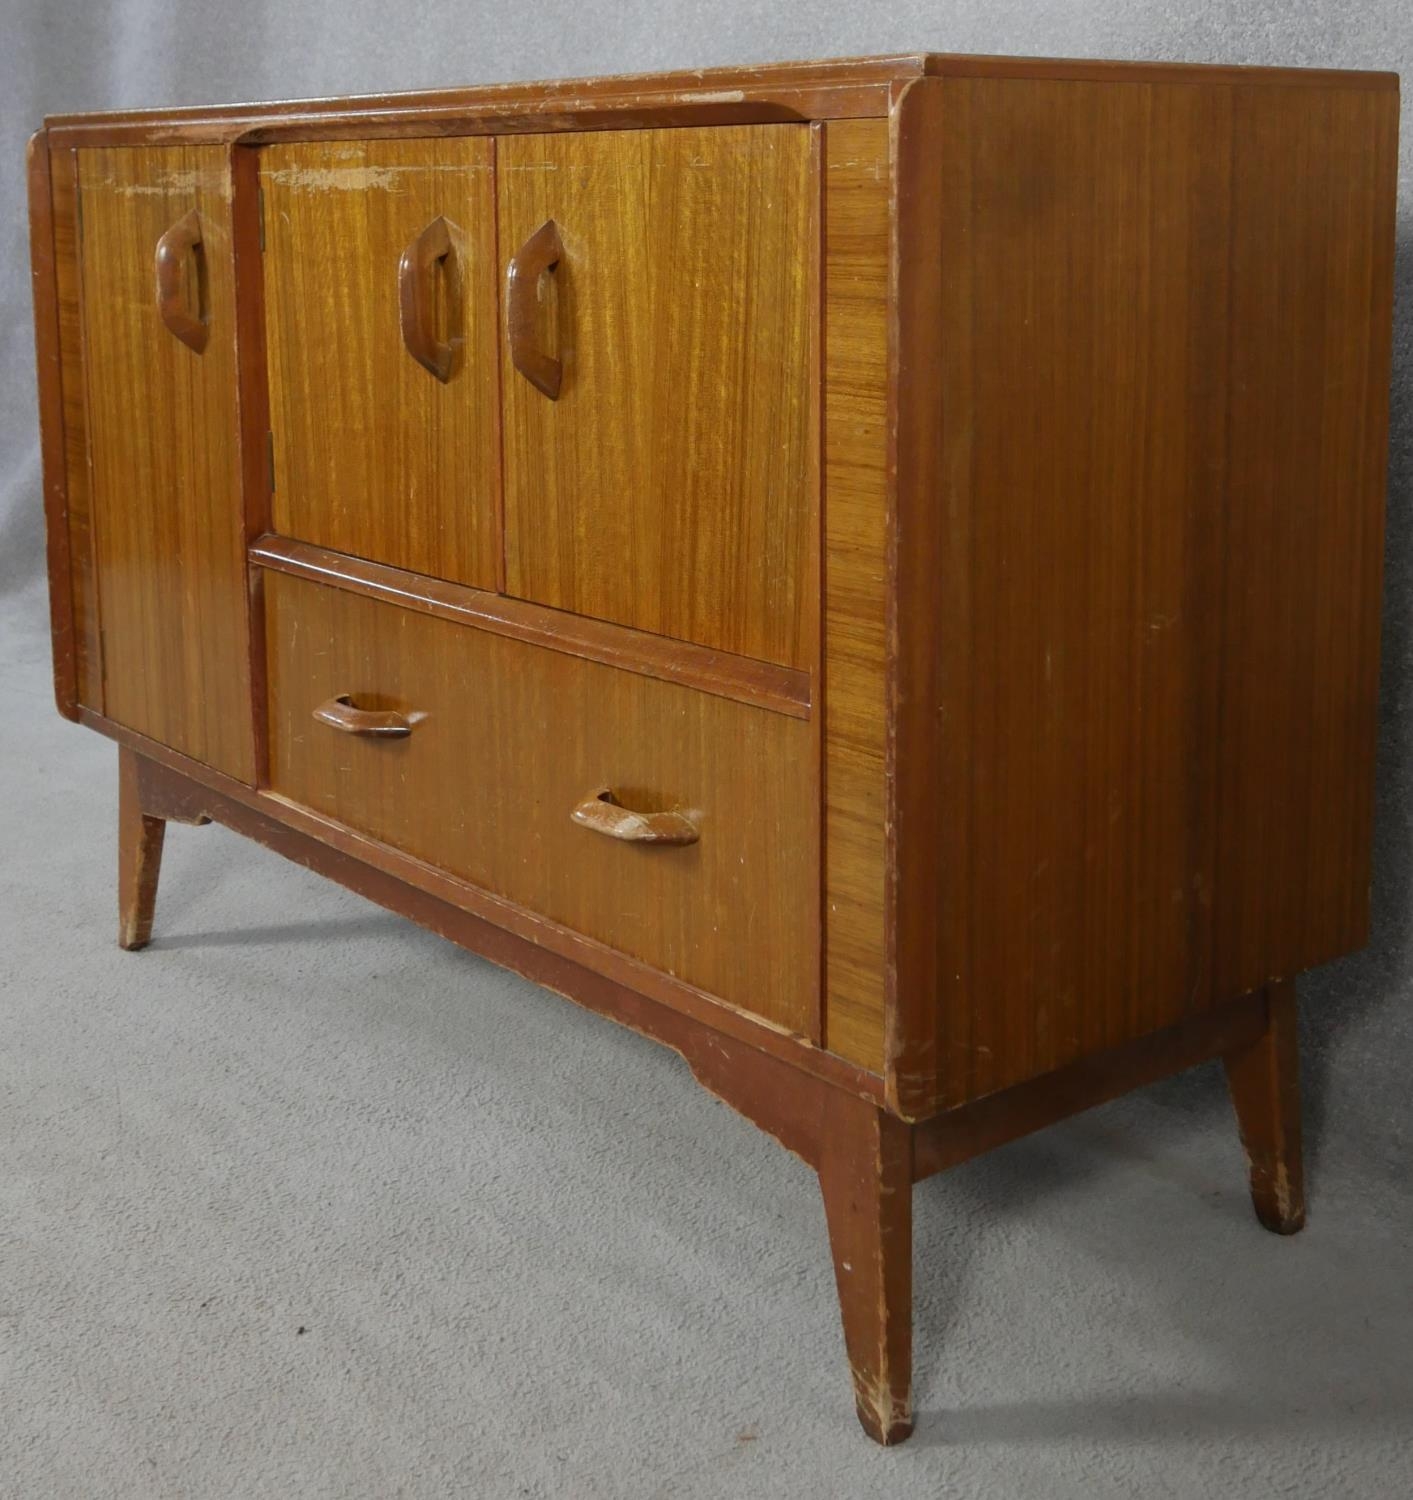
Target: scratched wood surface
(168, 531)
(837, 88)
(373, 455)
(866, 1180)
(1264, 1080)
(668, 486)
(855, 376)
(484, 786)
(1144, 360)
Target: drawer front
(508, 738)
(666, 483)
(380, 304)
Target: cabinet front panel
(376, 453)
(167, 518)
(507, 739)
(669, 485)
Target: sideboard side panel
(1314, 188)
(856, 252)
(1142, 370)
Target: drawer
(507, 739)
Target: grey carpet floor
(304, 1202)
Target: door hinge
(78, 214)
(260, 199)
(270, 459)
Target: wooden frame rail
(784, 690)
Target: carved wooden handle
(540, 253)
(433, 249)
(181, 297)
(381, 723)
(602, 812)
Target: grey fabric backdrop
(90, 54)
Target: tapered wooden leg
(1265, 1088)
(865, 1173)
(139, 856)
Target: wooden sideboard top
(837, 88)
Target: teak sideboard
(866, 572)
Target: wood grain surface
(542, 949)
(509, 738)
(866, 1179)
(253, 412)
(162, 424)
(1142, 334)
(78, 481)
(44, 284)
(140, 840)
(946, 1140)
(667, 486)
(855, 378)
(1264, 1078)
(373, 455)
(1307, 388)
(786, 690)
(836, 88)
(773, 93)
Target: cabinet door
(380, 324)
(158, 284)
(667, 483)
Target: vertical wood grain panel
(856, 260)
(375, 456)
(253, 402)
(49, 384)
(669, 486)
(1142, 334)
(929, 561)
(1312, 273)
(170, 541)
(484, 786)
(88, 643)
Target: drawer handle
(181, 282)
(603, 812)
(433, 250)
(343, 714)
(542, 252)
